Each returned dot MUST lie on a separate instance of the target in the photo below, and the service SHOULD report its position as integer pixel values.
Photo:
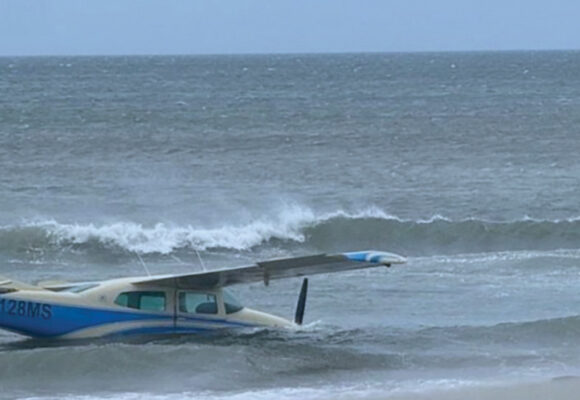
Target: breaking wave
(299, 228)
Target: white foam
(434, 218)
(288, 224)
(518, 388)
(362, 391)
(517, 255)
(162, 238)
(371, 212)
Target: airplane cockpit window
(148, 301)
(197, 303)
(231, 303)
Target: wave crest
(295, 226)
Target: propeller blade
(299, 316)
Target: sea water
(466, 163)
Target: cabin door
(195, 311)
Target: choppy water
(466, 163)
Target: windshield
(81, 288)
(231, 304)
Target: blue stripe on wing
(379, 257)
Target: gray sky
(31, 27)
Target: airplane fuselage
(117, 307)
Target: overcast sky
(33, 27)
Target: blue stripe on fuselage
(62, 319)
(58, 319)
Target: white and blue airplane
(165, 304)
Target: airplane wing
(277, 269)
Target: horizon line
(289, 53)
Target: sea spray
(298, 227)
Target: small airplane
(163, 304)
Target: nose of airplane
(259, 318)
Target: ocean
(466, 163)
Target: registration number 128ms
(28, 309)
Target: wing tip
(374, 256)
